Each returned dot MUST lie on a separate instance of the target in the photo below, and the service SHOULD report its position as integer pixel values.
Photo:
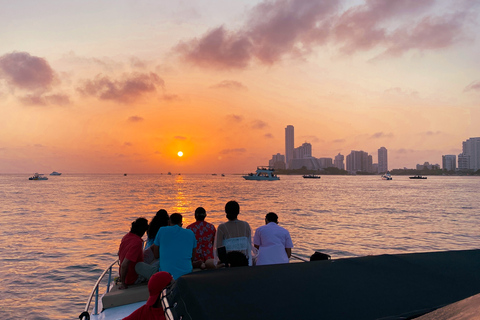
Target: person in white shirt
(273, 242)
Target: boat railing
(95, 291)
(295, 256)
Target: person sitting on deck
(152, 310)
(205, 235)
(234, 235)
(161, 219)
(130, 253)
(273, 242)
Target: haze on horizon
(123, 86)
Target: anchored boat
(38, 176)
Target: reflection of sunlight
(181, 201)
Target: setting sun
(180, 153)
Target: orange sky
(122, 86)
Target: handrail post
(109, 279)
(96, 301)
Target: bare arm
(289, 252)
(123, 273)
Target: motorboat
(388, 286)
(262, 174)
(387, 176)
(418, 177)
(38, 176)
(311, 176)
(55, 173)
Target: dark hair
(237, 259)
(232, 209)
(139, 226)
(176, 218)
(200, 214)
(318, 256)
(272, 217)
(161, 219)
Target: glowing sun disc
(180, 153)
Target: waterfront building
(470, 156)
(325, 162)
(289, 144)
(359, 161)
(449, 162)
(277, 161)
(382, 160)
(338, 163)
(303, 152)
(428, 166)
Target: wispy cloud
(234, 118)
(45, 99)
(229, 84)
(135, 119)
(259, 124)
(474, 86)
(293, 28)
(180, 138)
(126, 89)
(22, 70)
(230, 151)
(380, 135)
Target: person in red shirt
(205, 235)
(152, 310)
(130, 253)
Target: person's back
(176, 247)
(274, 242)
(234, 235)
(205, 235)
(130, 252)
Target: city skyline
(121, 86)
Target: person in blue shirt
(176, 247)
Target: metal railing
(95, 292)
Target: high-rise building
(470, 157)
(382, 160)
(359, 161)
(302, 152)
(449, 162)
(338, 163)
(289, 144)
(277, 161)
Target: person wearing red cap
(152, 310)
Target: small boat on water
(387, 176)
(388, 286)
(262, 174)
(55, 173)
(311, 176)
(418, 177)
(38, 176)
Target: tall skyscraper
(470, 157)
(289, 144)
(449, 162)
(338, 163)
(359, 161)
(382, 160)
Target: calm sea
(58, 235)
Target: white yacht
(262, 173)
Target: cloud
(259, 124)
(45, 99)
(268, 135)
(135, 119)
(274, 30)
(379, 135)
(474, 86)
(339, 141)
(431, 133)
(234, 118)
(229, 84)
(129, 88)
(25, 71)
(230, 151)
(170, 97)
(180, 138)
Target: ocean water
(57, 236)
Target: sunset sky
(116, 86)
